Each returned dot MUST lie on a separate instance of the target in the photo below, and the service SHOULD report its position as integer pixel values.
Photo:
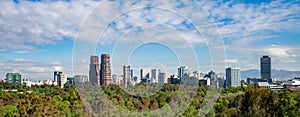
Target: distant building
(204, 82)
(233, 77)
(265, 68)
(62, 79)
(56, 75)
(255, 80)
(94, 73)
(105, 71)
(80, 79)
(70, 81)
(162, 78)
(154, 75)
(183, 72)
(293, 82)
(145, 75)
(13, 78)
(173, 80)
(213, 78)
(263, 84)
(115, 79)
(135, 79)
(126, 75)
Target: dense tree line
(89, 100)
(45, 100)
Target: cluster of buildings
(100, 74)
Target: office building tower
(183, 72)
(126, 75)
(62, 79)
(265, 68)
(13, 78)
(105, 71)
(233, 77)
(55, 75)
(145, 75)
(154, 75)
(94, 73)
(162, 78)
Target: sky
(39, 37)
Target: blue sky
(38, 37)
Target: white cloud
(244, 24)
(29, 23)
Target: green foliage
(40, 101)
(233, 102)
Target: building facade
(265, 68)
(233, 77)
(94, 73)
(62, 80)
(162, 78)
(154, 75)
(56, 75)
(183, 71)
(126, 75)
(13, 78)
(105, 71)
(145, 75)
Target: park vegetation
(111, 100)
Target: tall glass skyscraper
(265, 68)
(233, 77)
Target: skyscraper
(94, 74)
(126, 75)
(162, 78)
(55, 75)
(233, 77)
(62, 79)
(183, 72)
(265, 68)
(154, 75)
(105, 72)
(145, 75)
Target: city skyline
(42, 42)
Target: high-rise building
(265, 68)
(62, 79)
(94, 74)
(154, 75)
(105, 71)
(13, 78)
(145, 75)
(233, 77)
(162, 78)
(126, 75)
(55, 75)
(183, 71)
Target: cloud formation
(26, 24)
